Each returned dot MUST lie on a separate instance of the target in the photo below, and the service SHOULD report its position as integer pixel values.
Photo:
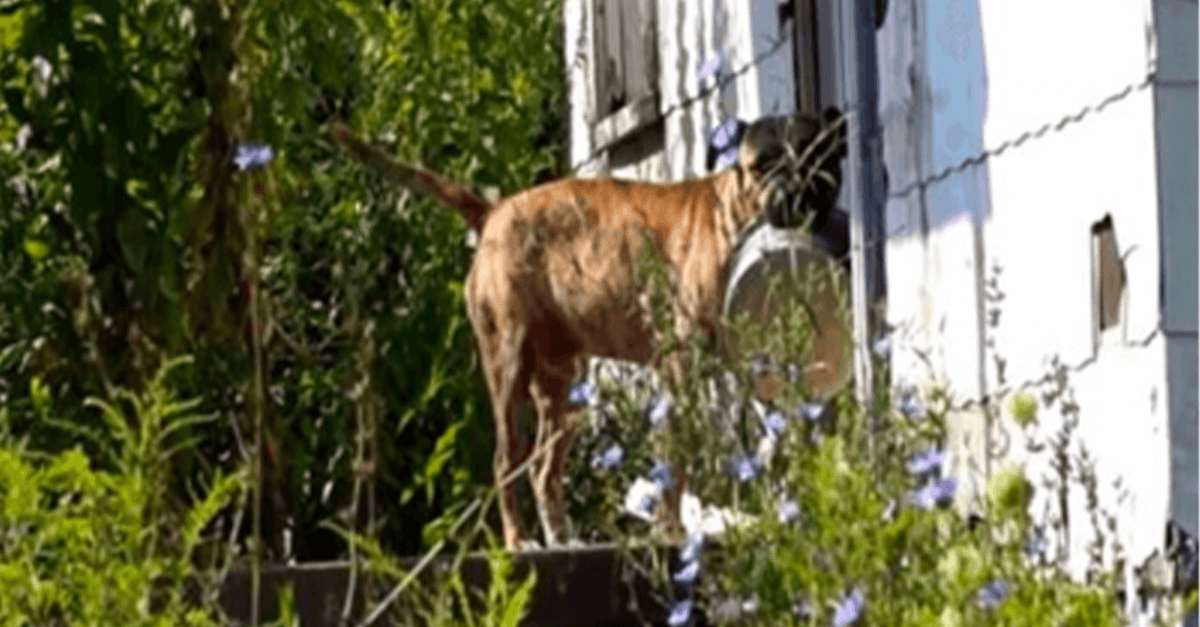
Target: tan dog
(554, 278)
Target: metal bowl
(765, 252)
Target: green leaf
(518, 604)
(1023, 408)
(443, 450)
(36, 250)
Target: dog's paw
(527, 546)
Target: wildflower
(801, 609)
(42, 66)
(935, 494)
(851, 610)
(889, 512)
(991, 595)
(609, 458)
(882, 346)
(1037, 544)
(660, 475)
(927, 463)
(911, 406)
(691, 548)
(726, 612)
(641, 498)
(789, 510)
(726, 159)
(658, 410)
(724, 136)
(680, 613)
(23, 136)
(711, 66)
(774, 422)
(744, 468)
(687, 575)
(750, 605)
(251, 156)
(812, 411)
(582, 393)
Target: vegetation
(166, 191)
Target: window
(626, 53)
(1108, 275)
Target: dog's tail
(420, 181)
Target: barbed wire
(704, 92)
(1062, 123)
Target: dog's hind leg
(500, 350)
(550, 389)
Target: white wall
(961, 75)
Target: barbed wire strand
(1062, 123)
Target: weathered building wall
(991, 269)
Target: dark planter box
(576, 587)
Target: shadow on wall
(942, 100)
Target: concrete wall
(990, 270)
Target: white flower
(789, 510)
(641, 498)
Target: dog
(555, 279)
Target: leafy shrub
(844, 518)
(86, 547)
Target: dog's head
(797, 160)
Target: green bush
(80, 546)
(850, 525)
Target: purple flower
(911, 406)
(851, 610)
(724, 135)
(882, 346)
(1037, 544)
(991, 595)
(687, 575)
(691, 548)
(582, 393)
(609, 458)
(658, 410)
(812, 411)
(774, 422)
(660, 475)
(789, 510)
(927, 463)
(744, 468)
(711, 66)
(680, 613)
(934, 494)
(251, 156)
(726, 159)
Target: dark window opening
(626, 46)
(1108, 274)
